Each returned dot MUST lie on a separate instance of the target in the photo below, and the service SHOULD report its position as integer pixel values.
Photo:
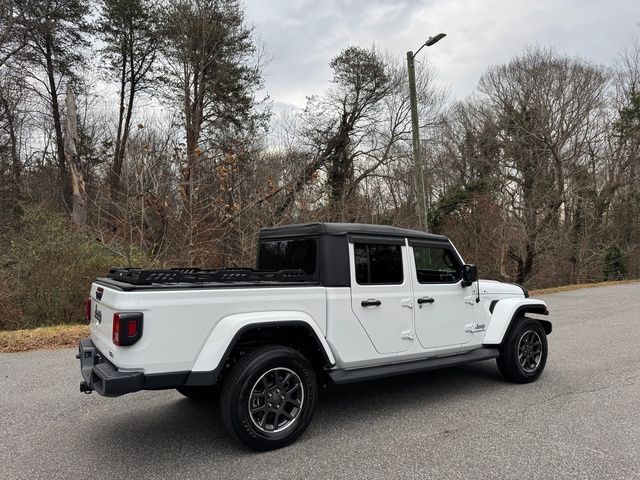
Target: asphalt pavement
(581, 419)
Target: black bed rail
(137, 276)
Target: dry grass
(568, 288)
(60, 336)
(65, 336)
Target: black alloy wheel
(276, 400)
(530, 351)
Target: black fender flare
(205, 378)
(537, 309)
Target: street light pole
(415, 128)
(421, 190)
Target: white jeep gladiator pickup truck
(327, 304)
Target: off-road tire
(518, 361)
(261, 370)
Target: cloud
(303, 35)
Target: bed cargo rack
(137, 276)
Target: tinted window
(436, 265)
(378, 263)
(288, 255)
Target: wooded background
(535, 177)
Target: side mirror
(469, 275)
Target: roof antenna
(477, 287)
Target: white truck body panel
(396, 303)
(504, 312)
(441, 324)
(178, 323)
(353, 348)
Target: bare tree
(543, 107)
(207, 63)
(12, 98)
(12, 31)
(54, 42)
(129, 30)
(78, 188)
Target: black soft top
(332, 268)
(312, 229)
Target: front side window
(436, 265)
(378, 264)
(299, 254)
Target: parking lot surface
(580, 420)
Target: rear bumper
(102, 376)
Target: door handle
(423, 300)
(371, 302)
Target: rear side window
(378, 264)
(436, 265)
(299, 254)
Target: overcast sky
(303, 35)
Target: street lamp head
(435, 39)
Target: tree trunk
(116, 167)
(65, 185)
(127, 124)
(16, 169)
(524, 265)
(79, 210)
(14, 192)
(125, 113)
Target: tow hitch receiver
(84, 388)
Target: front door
(381, 296)
(444, 309)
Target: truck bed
(132, 279)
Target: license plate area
(89, 356)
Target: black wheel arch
(520, 313)
(296, 334)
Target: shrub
(11, 313)
(614, 263)
(49, 265)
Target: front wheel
(269, 397)
(523, 354)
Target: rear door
(381, 291)
(444, 309)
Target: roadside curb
(580, 286)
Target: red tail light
(115, 334)
(127, 328)
(87, 310)
(132, 330)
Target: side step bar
(341, 376)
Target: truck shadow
(176, 424)
(389, 398)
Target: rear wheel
(269, 397)
(523, 354)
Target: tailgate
(101, 317)
(104, 303)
